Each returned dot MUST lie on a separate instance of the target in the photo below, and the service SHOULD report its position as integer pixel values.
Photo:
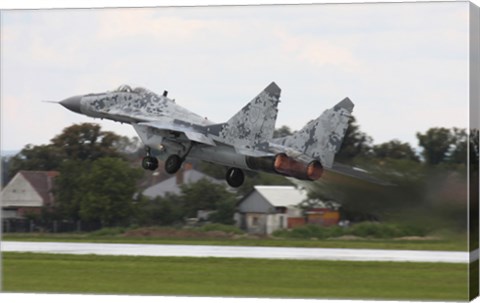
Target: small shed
(269, 208)
(322, 213)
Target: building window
(254, 221)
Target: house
(186, 175)
(268, 208)
(28, 192)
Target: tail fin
(321, 138)
(253, 125)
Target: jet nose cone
(72, 103)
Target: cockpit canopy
(127, 89)
(124, 89)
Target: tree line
(100, 177)
(428, 185)
(100, 182)
(437, 144)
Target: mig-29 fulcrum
(244, 142)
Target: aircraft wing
(190, 133)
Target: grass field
(451, 244)
(27, 272)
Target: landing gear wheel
(173, 164)
(235, 177)
(150, 163)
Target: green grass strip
(228, 277)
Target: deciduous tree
(355, 143)
(86, 141)
(282, 132)
(395, 149)
(98, 191)
(81, 142)
(204, 195)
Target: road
(293, 253)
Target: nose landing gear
(149, 162)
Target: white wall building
(28, 191)
(267, 208)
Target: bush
(310, 231)
(414, 231)
(383, 231)
(229, 229)
(281, 233)
(364, 230)
(373, 230)
(108, 231)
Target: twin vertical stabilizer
(321, 138)
(252, 127)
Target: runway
(291, 253)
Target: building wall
(294, 212)
(256, 223)
(9, 214)
(324, 217)
(20, 193)
(296, 222)
(275, 222)
(257, 215)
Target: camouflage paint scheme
(171, 129)
(321, 138)
(250, 128)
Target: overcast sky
(404, 65)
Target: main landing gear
(235, 177)
(173, 164)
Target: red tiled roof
(42, 182)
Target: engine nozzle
(284, 165)
(297, 169)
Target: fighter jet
(244, 142)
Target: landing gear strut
(149, 162)
(235, 177)
(174, 162)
